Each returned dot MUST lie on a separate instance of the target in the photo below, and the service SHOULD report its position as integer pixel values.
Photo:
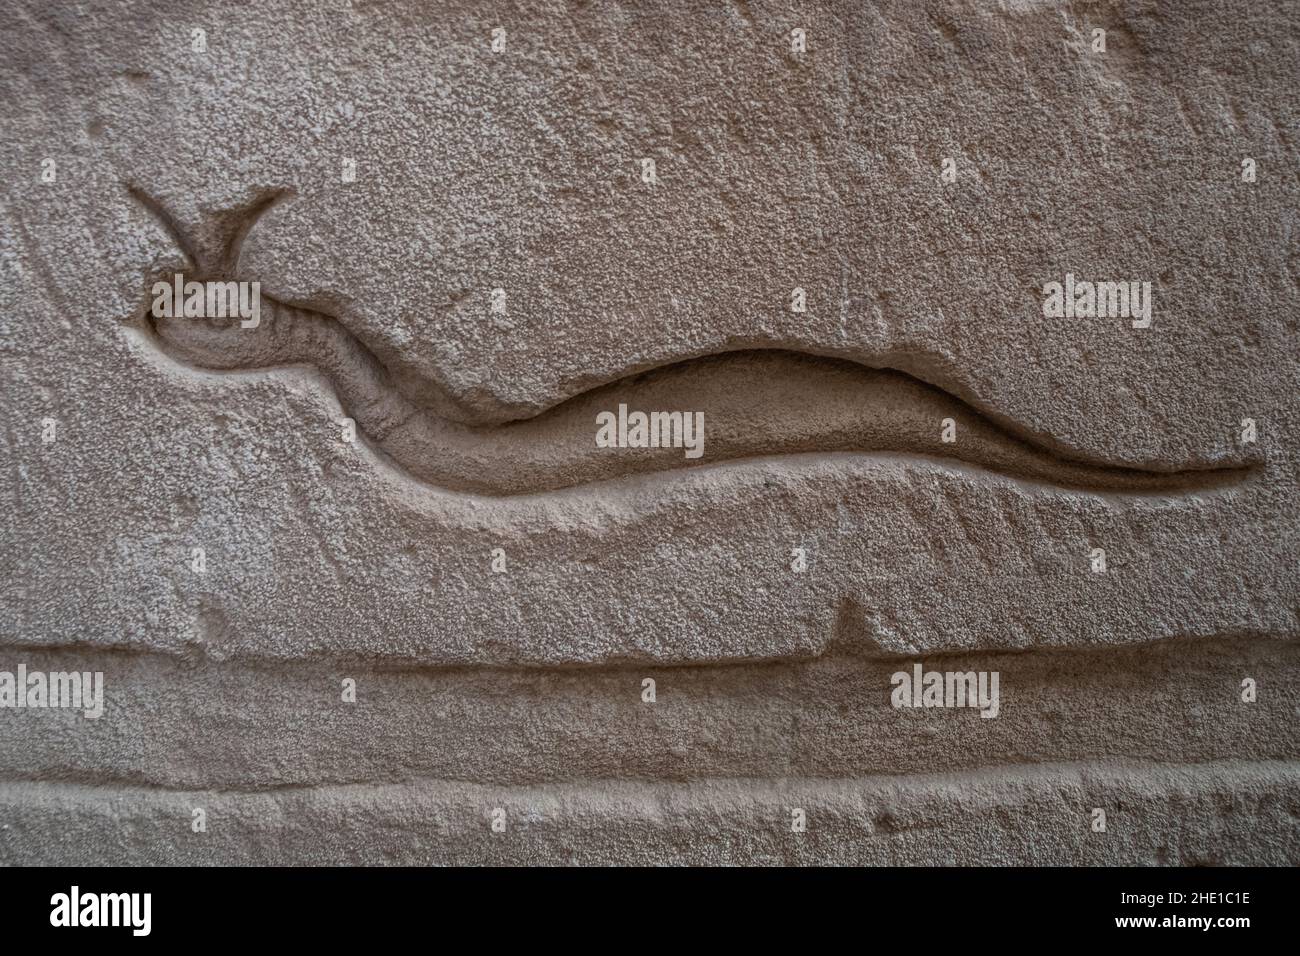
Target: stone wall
(365, 581)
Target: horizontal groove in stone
(1225, 812)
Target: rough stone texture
(521, 170)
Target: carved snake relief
(756, 403)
